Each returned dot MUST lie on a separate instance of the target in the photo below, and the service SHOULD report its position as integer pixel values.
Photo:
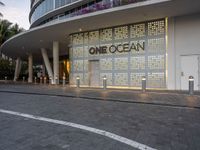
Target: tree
(5, 32)
(15, 29)
(1, 4)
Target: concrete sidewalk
(166, 98)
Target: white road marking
(82, 127)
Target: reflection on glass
(47, 5)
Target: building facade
(122, 40)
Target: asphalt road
(157, 126)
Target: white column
(171, 51)
(30, 68)
(17, 68)
(47, 64)
(56, 61)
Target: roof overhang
(34, 39)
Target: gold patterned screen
(122, 69)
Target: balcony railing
(91, 7)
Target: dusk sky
(16, 11)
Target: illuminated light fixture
(77, 81)
(143, 78)
(77, 78)
(144, 84)
(191, 78)
(104, 78)
(104, 82)
(80, 29)
(191, 85)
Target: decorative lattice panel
(156, 62)
(156, 80)
(94, 37)
(86, 79)
(106, 35)
(137, 62)
(145, 54)
(86, 38)
(136, 79)
(78, 38)
(137, 49)
(78, 52)
(156, 28)
(78, 65)
(106, 64)
(121, 79)
(137, 31)
(86, 64)
(156, 45)
(121, 63)
(121, 32)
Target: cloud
(16, 15)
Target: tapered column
(30, 68)
(17, 68)
(47, 64)
(56, 61)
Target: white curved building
(123, 40)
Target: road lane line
(82, 127)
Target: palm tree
(5, 34)
(15, 29)
(1, 4)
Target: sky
(16, 11)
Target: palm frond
(1, 3)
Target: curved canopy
(34, 39)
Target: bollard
(50, 80)
(191, 85)
(143, 84)
(64, 80)
(23, 79)
(40, 80)
(45, 80)
(77, 81)
(35, 80)
(104, 82)
(56, 80)
(6, 78)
